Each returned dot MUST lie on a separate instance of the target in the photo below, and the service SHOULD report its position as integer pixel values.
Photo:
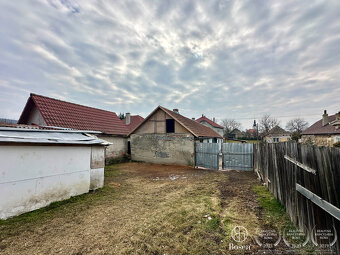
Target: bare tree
(229, 125)
(267, 122)
(297, 125)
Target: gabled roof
(69, 115)
(212, 123)
(135, 120)
(278, 131)
(318, 129)
(197, 129)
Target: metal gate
(237, 156)
(207, 155)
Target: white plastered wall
(32, 177)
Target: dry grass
(143, 209)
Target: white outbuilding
(40, 166)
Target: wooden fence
(305, 179)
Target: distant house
(236, 134)
(40, 166)
(324, 132)
(45, 111)
(167, 137)
(211, 124)
(276, 135)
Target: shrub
(119, 160)
(337, 144)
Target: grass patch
(275, 215)
(271, 205)
(69, 207)
(113, 161)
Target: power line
(286, 116)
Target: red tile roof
(192, 126)
(212, 123)
(318, 129)
(69, 115)
(135, 120)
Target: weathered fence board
(285, 166)
(237, 156)
(207, 155)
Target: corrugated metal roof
(50, 137)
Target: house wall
(33, 176)
(163, 148)
(156, 125)
(320, 140)
(117, 149)
(217, 130)
(97, 165)
(36, 117)
(283, 138)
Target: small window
(276, 140)
(170, 126)
(337, 139)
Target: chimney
(127, 118)
(202, 115)
(193, 118)
(324, 118)
(175, 110)
(214, 119)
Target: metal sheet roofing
(43, 137)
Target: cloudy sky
(224, 58)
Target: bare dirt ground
(145, 209)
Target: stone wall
(117, 149)
(320, 140)
(163, 148)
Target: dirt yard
(150, 209)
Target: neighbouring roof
(59, 113)
(278, 131)
(212, 123)
(197, 129)
(236, 131)
(251, 131)
(135, 120)
(70, 137)
(318, 129)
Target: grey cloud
(223, 58)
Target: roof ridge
(193, 121)
(170, 113)
(33, 94)
(215, 124)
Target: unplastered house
(213, 125)
(277, 135)
(324, 132)
(167, 137)
(45, 111)
(41, 166)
